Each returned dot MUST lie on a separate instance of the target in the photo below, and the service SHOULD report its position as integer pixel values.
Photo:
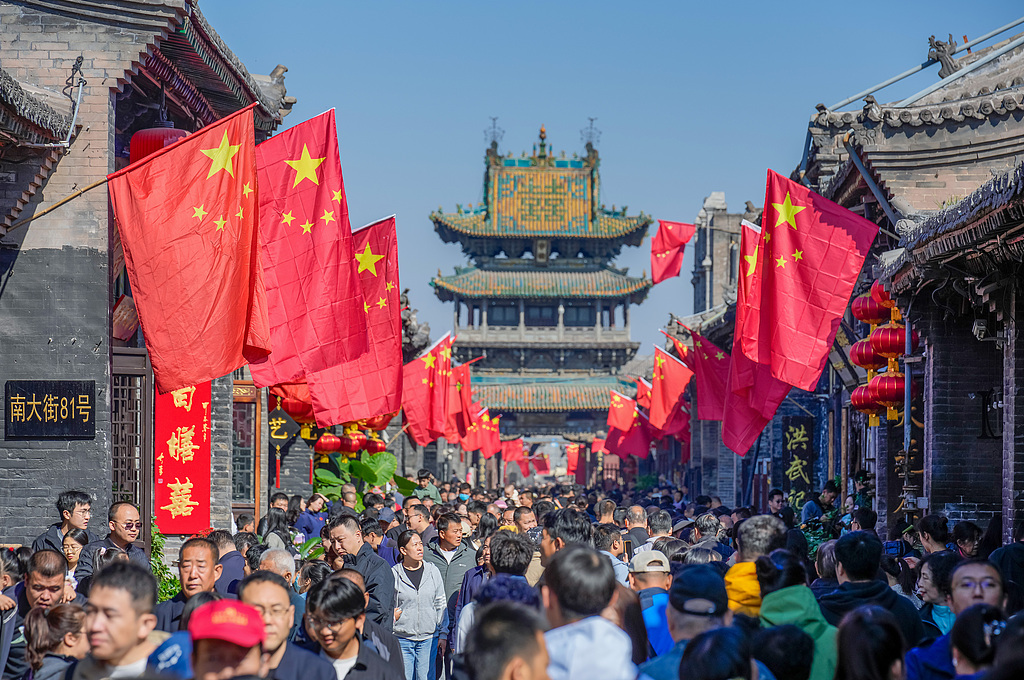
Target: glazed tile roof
(604, 283)
(565, 396)
(25, 117)
(607, 225)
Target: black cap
(699, 589)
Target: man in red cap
(227, 641)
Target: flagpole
(73, 195)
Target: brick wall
(959, 466)
(1013, 417)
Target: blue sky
(690, 98)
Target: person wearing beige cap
(650, 577)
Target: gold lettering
(181, 498)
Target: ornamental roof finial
(542, 151)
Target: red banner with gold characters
(182, 446)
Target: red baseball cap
(228, 620)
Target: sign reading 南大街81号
(50, 409)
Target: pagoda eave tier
(605, 226)
(484, 283)
(547, 397)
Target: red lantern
(881, 295)
(300, 411)
(353, 440)
(374, 444)
(865, 356)
(328, 443)
(867, 309)
(151, 140)
(864, 400)
(887, 389)
(890, 340)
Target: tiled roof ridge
(33, 110)
(978, 106)
(477, 223)
(567, 396)
(496, 283)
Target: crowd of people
(519, 584)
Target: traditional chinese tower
(541, 301)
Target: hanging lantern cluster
(884, 392)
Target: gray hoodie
(422, 609)
(593, 647)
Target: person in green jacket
(426, 489)
(786, 599)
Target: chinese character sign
(798, 455)
(182, 464)
(50, 409)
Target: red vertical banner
(182, 446)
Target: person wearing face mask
(198, 571)
(125, 525)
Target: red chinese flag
(597, 446)
(181, 434)
(459, 404)
(670, 379)
(753, 395)
(371, 384)
(634, 441)
(188, 222)
(667, 248)
(712, 372)
(471, 442)
(512, 452)
(490, 436)
(541, 464)
(814, 250)
(317, 317)
(572, 457)
(425, 392)
(643, 394)
(684, 353)
(620, 411)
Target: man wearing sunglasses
(125, 526)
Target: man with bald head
(125, 525)
(636, 527)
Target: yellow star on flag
(798, 255)
(287, 218)
(787, 211)
(780, 262)
(336, 196)
(390, 286)
(246, 190)
(199, 212)
(239, 213)
(366, 307)
(221, 157)
(752, 260)
(368, 261)
(720, 355)
(307, 227)
(220, 223)
(305, 167)
(327, 217)
(382, 303)
(429, 360)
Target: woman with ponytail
(54, 639)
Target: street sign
(50, 409)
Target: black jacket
(232, 571)
(380, 585)
(1010, 560)
(53, 539)
(83, 571)
(849, 596)
(299, 664)
(369, 666)
(823, 586)
(168, 613)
